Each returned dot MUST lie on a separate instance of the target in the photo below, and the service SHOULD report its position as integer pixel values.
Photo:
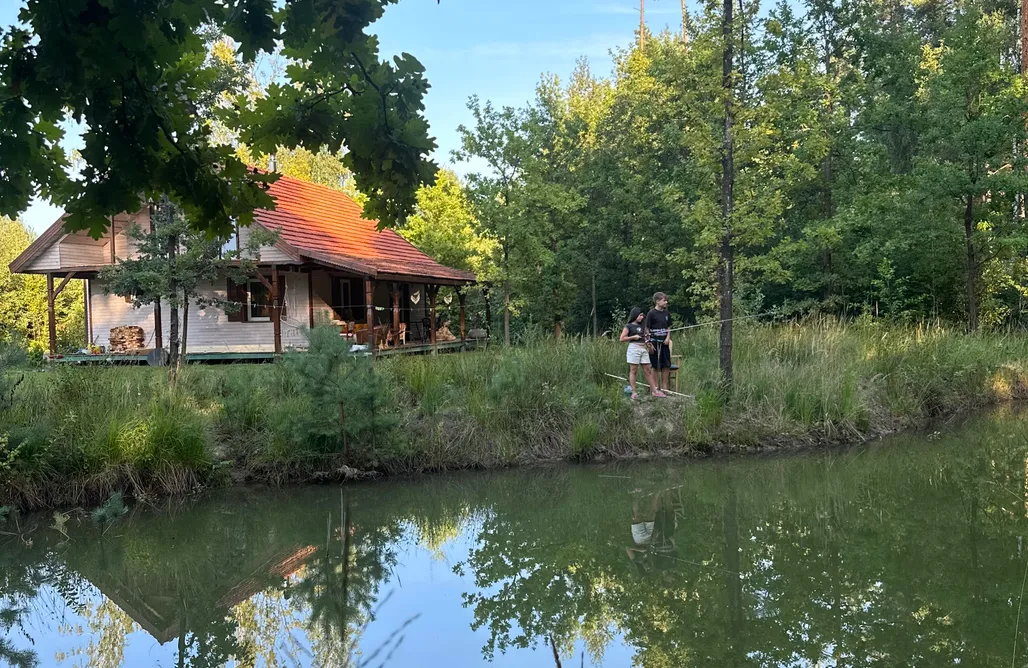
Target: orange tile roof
(321, 224)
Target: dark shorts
(660, 357)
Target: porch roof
(317, 224)
(327, 227)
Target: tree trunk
(596, 320)
(185, 331)
(158, 327)
(971, 275)
(726, 264)
(642, 23)
(1019, 203)
(488, 313)
(173, 308)
(685, 24)
(506, 313)
(827, 173)
(1024, 38)
(556, 315)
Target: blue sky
(495, 49)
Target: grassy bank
(74, 435)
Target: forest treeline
(878, 164)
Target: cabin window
(231, 243)
(258, 301)
(348, 299)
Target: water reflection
(911, 553)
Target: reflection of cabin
(159, 610)
(329, 265)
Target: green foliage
(445, 227)
(337, 402)
(111, 510)
(23, 308)
(879, 159)
(330, 413)
(140, 77)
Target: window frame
(250, 317)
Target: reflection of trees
(911, 555)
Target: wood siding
(50, 259)
(83, 255)
(209, 329)
(269, 254)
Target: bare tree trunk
(596, 320)
(185, 331)
(1019, 204)
(556, 654)
(971, 276)
(488, 312)
(506, 313)
(726, 264)
(1024, 38)
(158, 327)
(556, 316)
(685, 24)
(173, 308)
(642, 23)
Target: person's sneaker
(658, 393)
(634, 396)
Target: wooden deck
(139, 357)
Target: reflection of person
(632, 334)
(653, 528)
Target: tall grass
(79, 434)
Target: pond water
(908, 552)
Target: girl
(638, 355)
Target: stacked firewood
(124, 339)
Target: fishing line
(718, 322)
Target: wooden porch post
(460, 298)
(310, 298)
(369, 301)
(85, 312)
(432, 291)
(51, 316)
(396, 311)
(276, 310)
(51, 310)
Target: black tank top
(635, 330)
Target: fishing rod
(718, 322)
(677, 394)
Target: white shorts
(638, 354)
(642, 533)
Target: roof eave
(37, 247)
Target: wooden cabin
(329, 265)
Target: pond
(907, 552)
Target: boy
(658, 339)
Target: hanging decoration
(415, 297)
(447, 299)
